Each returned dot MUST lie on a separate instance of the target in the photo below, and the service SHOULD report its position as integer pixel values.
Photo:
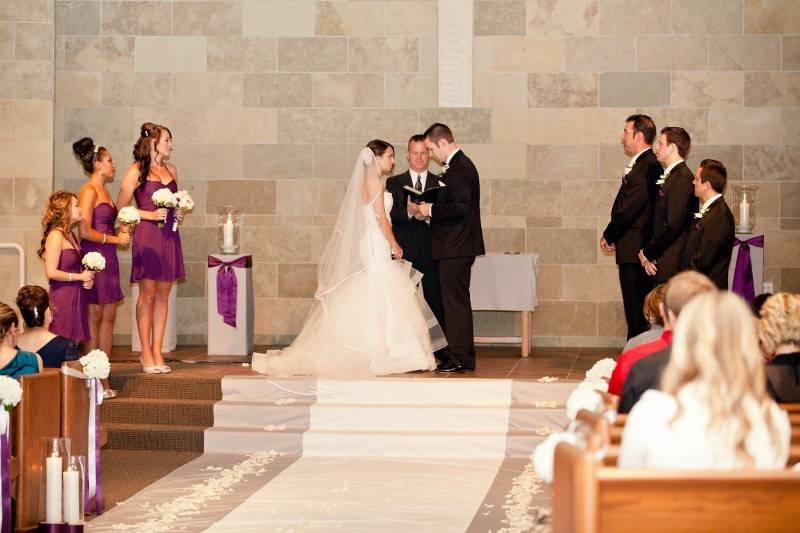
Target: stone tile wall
(269, 101)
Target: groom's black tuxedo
(457, 239)
(710, 244)
(414, 237)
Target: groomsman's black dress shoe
(454, 368)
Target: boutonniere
(662, 179)
(628, 169)
(700, 214)
(444, 169)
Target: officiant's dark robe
(710, 244)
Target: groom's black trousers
(454, 277)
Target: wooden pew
(36, 417)
(589, 497)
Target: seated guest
(713, 410)
(652, 314)
(641, 368)
(779, 336)
(709, 244)
(34, 306)
(14, 363)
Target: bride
(368, 317)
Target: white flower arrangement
(10, 392)
(584, 397)
(601, 369)
(445, 168)
(95, 364)
(94, 261)
(662, 179)
(544, 454)
(700, 214)
(163, 198)
(628, 169)
(129, 216)
(184, 200)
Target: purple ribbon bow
(743, 284)
(227, 286)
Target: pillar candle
(53, 490)
(227, 236)
(72, 508)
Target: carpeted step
(166, 386)
(165, 437)
(159, 411)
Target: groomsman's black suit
(414, 237)
(629, 230)
(674, 209)
(710, 244)
(457, 239)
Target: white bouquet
(583, 397)
(185, 204)
(601, 369)
(544, 454)
(95, 364)
(10, 392)
(164, 198)
(94, 261)
(129, 216)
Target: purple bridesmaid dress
(106, 289)
(156, 251)
(69, 300)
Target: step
(179, 412)
(164, 437)
(166, 385)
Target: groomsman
(675, 203)
(414, 235)
(631, 218)
(457, 237)
(710, 242)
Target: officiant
(413, 234)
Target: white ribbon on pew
(5, 474)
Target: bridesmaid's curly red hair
(57, 216)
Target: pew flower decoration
(129, 216)
(184, 202)
(544, 454)
(601, 369)
(585, 396)
(163, 198)
(10, 392)
(94, 261)
(95, 364)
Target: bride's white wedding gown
(375, 323)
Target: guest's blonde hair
(779, 323)
(715, 346)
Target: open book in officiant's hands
(428, 195)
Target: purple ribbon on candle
(743, 284)
(5, 458)
(227, 286)
(94, 492)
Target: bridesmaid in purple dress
(69, 283)
(96, 229)
(157, 257)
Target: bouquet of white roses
(601, 369)
(164, 198)
(95, 364)
(94, 261)
(185, 204)
(10, 392)
(129, 216)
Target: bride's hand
(397, 252)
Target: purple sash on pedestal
(743, 274)
(227, 286)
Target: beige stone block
(6, 41)
(590, 282)
(411, 17)
(565, 318)
(242, 54)
(598, 54)
(33, 41)
(383, 54)
(695, 121)
(78, 89)
(328, 196)
(744, 52)
(354, 18)
(31, 194)
(294, 198)
(549, 282)
(791, 126)
(198, 242)
(504, 240)
(278, 90)
(771, 163)
(394, 125)
(136, 88)
(278, 244)
(588, 197)
(573, 89)
(297, 280)
(500, 221)
(77, 17)
(708, 89)
(337, 160)
(171, 54)
(278, 19)
(708, 16)
(278, 161)
(190, 125)
(209, 161)
(624, 17)
(429, 55)
(249, 125)
(26, 80)
(208, 89)
(499, 17)
(99, 53)
(772, 89)
(527, 54)
(562, 17)
(744, 126)
(791, 52)
(207, 18)
(771, 16)
(312, 125)
(137, 18)
(348, 90)
(251, 196)
(729, 155)
(657, 53)
(7, 200)
(501, 89)
(26, 10)
(549, 242)
(468, 125)
(790, 199)
(410, 90)
(33, 119)
(611, 319)
(790, 248)
(563, 126)
(549, 162)
(790, 280)
(312, 54)
(281, 316)
(498, 161)
(109, 124)
(623, 89)
(265, 280)
(524, 197)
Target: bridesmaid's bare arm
(52, 253)
(86, 200)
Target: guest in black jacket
(779, 337)
(710, 242)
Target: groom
(457, 238)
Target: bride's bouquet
(184, 202)
(94, 261)
(129, 216)
(163, 198)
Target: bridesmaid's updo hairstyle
(149, 135)
(379, 147)
(8, 318)
(57, 216)
(33, 302)
(87, 153)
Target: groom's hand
(425, 209)
(411, 207)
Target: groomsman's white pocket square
(441, 184)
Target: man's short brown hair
(714, 172)
(680, 138)
(438, 131)
(683, 287)
(416, 138)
